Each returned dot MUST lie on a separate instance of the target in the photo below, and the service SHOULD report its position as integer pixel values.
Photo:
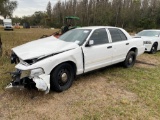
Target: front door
(100, 53)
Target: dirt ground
(88, 94)
(147, 61)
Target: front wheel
(62, 77)
(154, 48)
(130, 59)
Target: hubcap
(130, 60)
(64, 77)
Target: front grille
(8, 27)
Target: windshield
(76, 35)
(7, 24)
(149, 33)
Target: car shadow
(145, 63)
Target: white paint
(42, 47)
(7, 23)
(42, 83)
(94, 56)
(152, 40)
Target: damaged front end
(36, 59)
(30, 79)
(18, 82)
(35, 80)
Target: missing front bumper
(41, 83)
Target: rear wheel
(154, 48)
(62, 77)
(130, 59)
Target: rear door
(120, 45)
(100, 53)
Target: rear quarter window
(117, 35)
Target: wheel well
(69, 62)
(135, 50)
(156, 43)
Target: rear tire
(154, 48)
(130, 59)
(62, 77)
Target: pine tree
(49, 10)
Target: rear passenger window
(99, 36)
(117, 35)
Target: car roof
(96, 27)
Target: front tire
(62, 77)
(154, 48)
(130, 59)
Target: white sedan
(54, 63)
(151, 40)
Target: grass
(109, 93)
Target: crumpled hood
(42, 47)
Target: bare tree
(123, 13)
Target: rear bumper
(141, 50)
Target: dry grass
(110, 93)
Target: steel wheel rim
(153, 49)
(63, 77)
(130, 60)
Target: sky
(28, 7)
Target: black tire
(130, 59)
(154, 48)
(62, 77)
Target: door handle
(127, 43)
(109, 47)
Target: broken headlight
(28, 62)
(31, 61)
(36, 72)
(14, 58)
(25, 73)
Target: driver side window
(99, 36)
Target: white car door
(100, 53)
(120, 45)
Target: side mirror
(90, 43)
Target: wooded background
(128, 14)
